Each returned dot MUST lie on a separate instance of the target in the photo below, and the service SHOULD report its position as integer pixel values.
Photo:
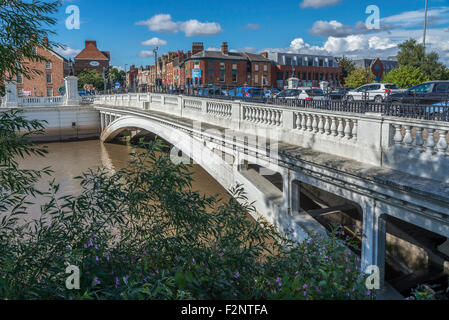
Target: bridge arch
(224, 173)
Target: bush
(142, 233)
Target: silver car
(376, 92)
(302, 93)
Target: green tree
(405, 77)
(23, 27)
(347, 66)
(116, 75)
(411, 53)
(359, 77)
(90, 76)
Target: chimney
(91, 43)
(265, 54)
(197, 47)
(224, 48)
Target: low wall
(65, 123)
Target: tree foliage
(359, 77)
(91, 77)
(142, 233)
(347, 66)
(405, 77)
(116, 75)
(411, 53)
(23, 27)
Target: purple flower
(97, 259)
(304, 286)
(221, 254)
(117, 282)
(237, 275)
(85, 246)
(193, 260)
(91, 243)
(96, 281)
(348, 270)
(107, 256)
(305, 293)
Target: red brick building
(92, 58)
(226, 68)
(50, 78)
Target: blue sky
(333, 27)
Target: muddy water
(70, 159)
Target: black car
(338, 93)
(426, 93)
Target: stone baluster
(321, 124)
(408, 139)
(304, 121)
(334, 126)
(341, 129)
(315, 123)
(273, 117)
(309, 122)
(327, 126)
(278, 117)
(430, 142)
(298, 121)
(348, 129)
(442, 143)
(398, 134)
(419, 141)
(354, 130)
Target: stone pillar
(11, 99)
(102, 121)
(71, 91)
(374, 238)
(236, 115)
(291, 190)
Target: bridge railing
(415, 145)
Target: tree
(91, 77)
(411, 53)
(23, 27)
(405, 76)
(347, 66)
(116, 75)
(359, 77)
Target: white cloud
(335, 28)
(154, 42)
(435, 16)
(160, 22)
(66, 51)
(318, 3)
(195, 28)
(145, 54)
(192, 27)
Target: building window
(49, 92)
(279, 76)
(310, 62)
(321, 62)
(48, 65)
(234, 66)
(265, 68)
(222, 66)
(264, 80)
(222, 76)
(20, 92)
(49, 78)
(331, 63)
(288, 61)
(19, 78)
(234, 77)
(256, 67)
(256, 79)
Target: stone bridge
(387, 166)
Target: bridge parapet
(418, 147)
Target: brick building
(226, 68)
(309, 69)
(92, 58)
(50, 77)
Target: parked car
(270, 93)
(303, 93)
(426, 93)
(377, 92)
(248, 92)
(210, 92)
(338, 93)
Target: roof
(91, 52)
(217, 55)
(256, 57)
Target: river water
(70, 159)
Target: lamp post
(155, 61)
(425, 27)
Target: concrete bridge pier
(373, 238)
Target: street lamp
(155, 61)
(425, 27)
